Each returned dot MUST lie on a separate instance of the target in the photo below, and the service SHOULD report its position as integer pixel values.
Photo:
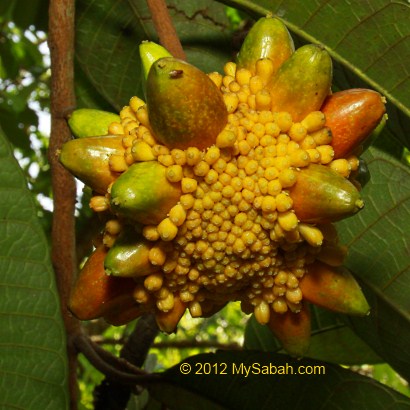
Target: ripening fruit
(185, 107)
(89, 122)
(292, 330)
(125, 313)
(333, 288)
(268, 38)
(95, 293)
(302, 82)
(352, 115)
(321, 195)
(143, 193)
(89, 160)
(168, 321)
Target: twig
(111, 366)
(112, 394)
(136, 348)
(61, 43)
(165, 29)
(176, 344)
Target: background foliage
(369, 43)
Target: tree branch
(61, 43)
(112, 394)
(113, 367)
(165, 29)
(174, 344)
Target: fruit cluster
(224, 188)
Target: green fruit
(185, 107)
(149, 53)
(144, 194)
(322, 195)
(128, 257)
(88, 122)
(303, 82)
(268, 38)
(88, 160)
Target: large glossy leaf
(109, 33)
(273, 382)
(33, 370)
(368, 41)
(379, 243)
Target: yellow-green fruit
(268, 38)
(128, 257)
(88, 160)
(321, 195)
(149, 53)
(144, 194)
(303, 82)
(185, 107)
(88, 122)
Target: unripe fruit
(89, 122)
(151, 52)
(143, 193)
(129, 256)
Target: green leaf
(368, 41)
(332, 340)
(87, 95)
(274, 381)
(379, 241)
(109, 33)
(178, 397)
(33, 370)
